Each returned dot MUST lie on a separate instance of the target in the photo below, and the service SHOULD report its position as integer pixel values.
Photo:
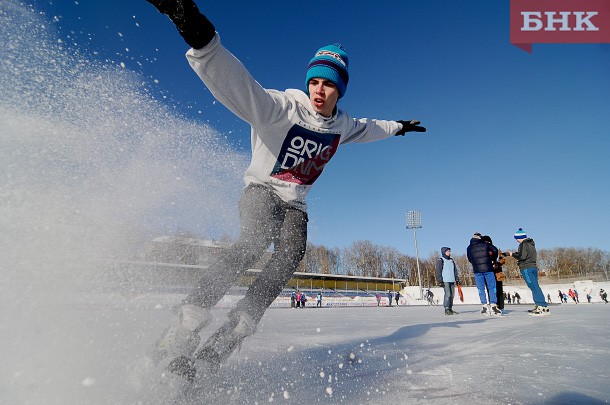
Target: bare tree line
(365, 259)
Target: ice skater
(294, 134)
(481, 255)
(526, 260)
(447, 276)
(498, 260)
(603, 295)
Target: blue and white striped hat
(330, 62)
(520, 234)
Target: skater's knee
(244, 253)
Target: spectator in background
(303, 300)
(430, 297)
(446, 274)
(560, 297)
(319, 299)
(588, 298)
(548, 298)
(603, 295)
(397, 297)
(480, 255)
(572, 295)
(389, 298)
(378, 299)
(517, 298)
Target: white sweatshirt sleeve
(232, 85)
(369, 130)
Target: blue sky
(514, 139)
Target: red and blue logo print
(303, 155)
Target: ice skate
(181, 338)
(541, 311)
(453, 312)
(217, 349)
(496, 311)
(485, 311)
(533, 309)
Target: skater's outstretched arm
(226, 77)
(369, 130)
(193, 26)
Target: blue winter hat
(520, 234)
(330, 62)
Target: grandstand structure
(176, 263)
(157, 275)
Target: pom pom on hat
(477, 235)
(520, 234)
(330, 62)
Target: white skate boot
(181, 338)
(217, 349)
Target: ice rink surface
(91, 352)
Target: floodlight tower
(414, 222)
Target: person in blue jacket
(447, 277)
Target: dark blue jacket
(480, 255)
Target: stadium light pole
(414, 222)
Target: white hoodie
(291, 143)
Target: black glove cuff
(193, 26)
(197, 30)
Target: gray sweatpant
(264, 219)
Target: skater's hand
(168, 7)
(193, 26)
(410, 126)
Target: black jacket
(480, 255)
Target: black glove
(410, 126)
(441, 284)
(193, 26)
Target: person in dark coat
(497, 261)
(480, 255)
(603, 295)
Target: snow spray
(91, 165)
